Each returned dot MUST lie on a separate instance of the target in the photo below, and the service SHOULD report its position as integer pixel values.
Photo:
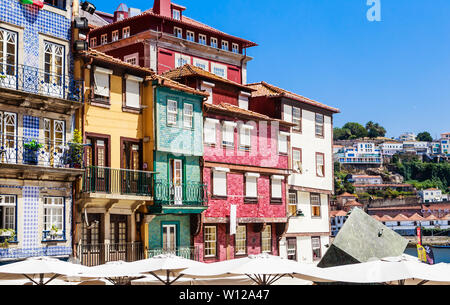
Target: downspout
(242, 63)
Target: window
(276, 188)
(126, 32)
(228, 134)
(220, 182)
(101, 84)
(54, 142)
(235, 48)
(319, 125)
(8, 134)
(190, 36)
(266, 239)
(53, 67)
(315, 205)
(54, 214)
(251, 185)
(181, 60)
(210, 131)
(210, 241)
(292, 204)
(219, 70)
(202, 64)
(169, 242)
(104, 39)
(176, 14)
(172, 112)
(243, 101)
(320, 164)
(115, 36)
(225, 45)
(93, 42)
(240, 247)
(133, 88)
(214, 42)
(61, 4)
(178, 32)
(316, 248)
(131, 59)
(8, 57)
(8, 212)
(283, 143)
(202, 39)
(291, 248)
(188, 114)
(297, 118)
(297, 160)
(245, 136)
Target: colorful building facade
(38, 100)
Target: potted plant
(74, 156)
(6, 236)
(55, 232)
(31, 152)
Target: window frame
(174, 16)
(300, 170)
(235, 48)
(287, 247)
(298, 128)
(320, 247)
(318, 124)
(270, 239)
(276, 200)
(62, 206)
(247, 198)
(190, 34)
(104, 39)
(168, 111)
(93, 42)
(228, 127)
(225, 43)
(317, 165)
(315, 204)
(186, 115)
(212, 123)
(14, 205)
(115, 36)
(214, 190)
(200, 36)
(215, 241)
(289, 204)
(97, 98)
(126, 32)
(283, 134)
(236, 253)
(176, 31)
(126, 80)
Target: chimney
(121, 12)
(162, 7)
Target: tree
(374, 130)
(341, 133)
(357, 131)
(424, 136)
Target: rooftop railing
(36, 81)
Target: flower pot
(31, 156)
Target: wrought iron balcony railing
(98, 254)
(190, 194)
(117, 181)
(185, 252)
(33, 80)
(49, 235)
(45, 153)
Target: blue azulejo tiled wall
(30, 236)
(34, 21)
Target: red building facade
(245, 166)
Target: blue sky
(395, 72)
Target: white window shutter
(282, 144)
(287, 113)
(276, 188)
(101, 84)
(220, 183)
(210, 132)
(132, 93)
(251, 187)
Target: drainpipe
(242, 62)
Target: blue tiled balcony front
(31, 80)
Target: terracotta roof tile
(347, 195)
(239, 111)
(416, 217)
(167, 82)
(190, 70)
(353, 203)
(401, 217)
(265, 89)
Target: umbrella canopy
(46, 268)
(263, 269)
(118, 272)
(388, 270)
(165, 265)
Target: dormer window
(176, 14)
(104, 39)
(178, 32)
(115, 36)
(202, 39)
(190, 36)
(126, 32)
(225, 45)
(235, 48)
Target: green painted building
(179, 196)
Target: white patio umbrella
(117, 272)
(221, 281)
(263, 269)
(46, 268)
(165, 265)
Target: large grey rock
(361, 239)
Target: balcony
(18, 79)
(185, 252)
(98, 254)
(185, 198)
(103, 182)
(26, 156)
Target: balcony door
(53, 69)
(8, 137)
(132, 182)
(176, 179)
(98, 175)
(8, 59)
(169, 241)
(54, 138)
(118, 238)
